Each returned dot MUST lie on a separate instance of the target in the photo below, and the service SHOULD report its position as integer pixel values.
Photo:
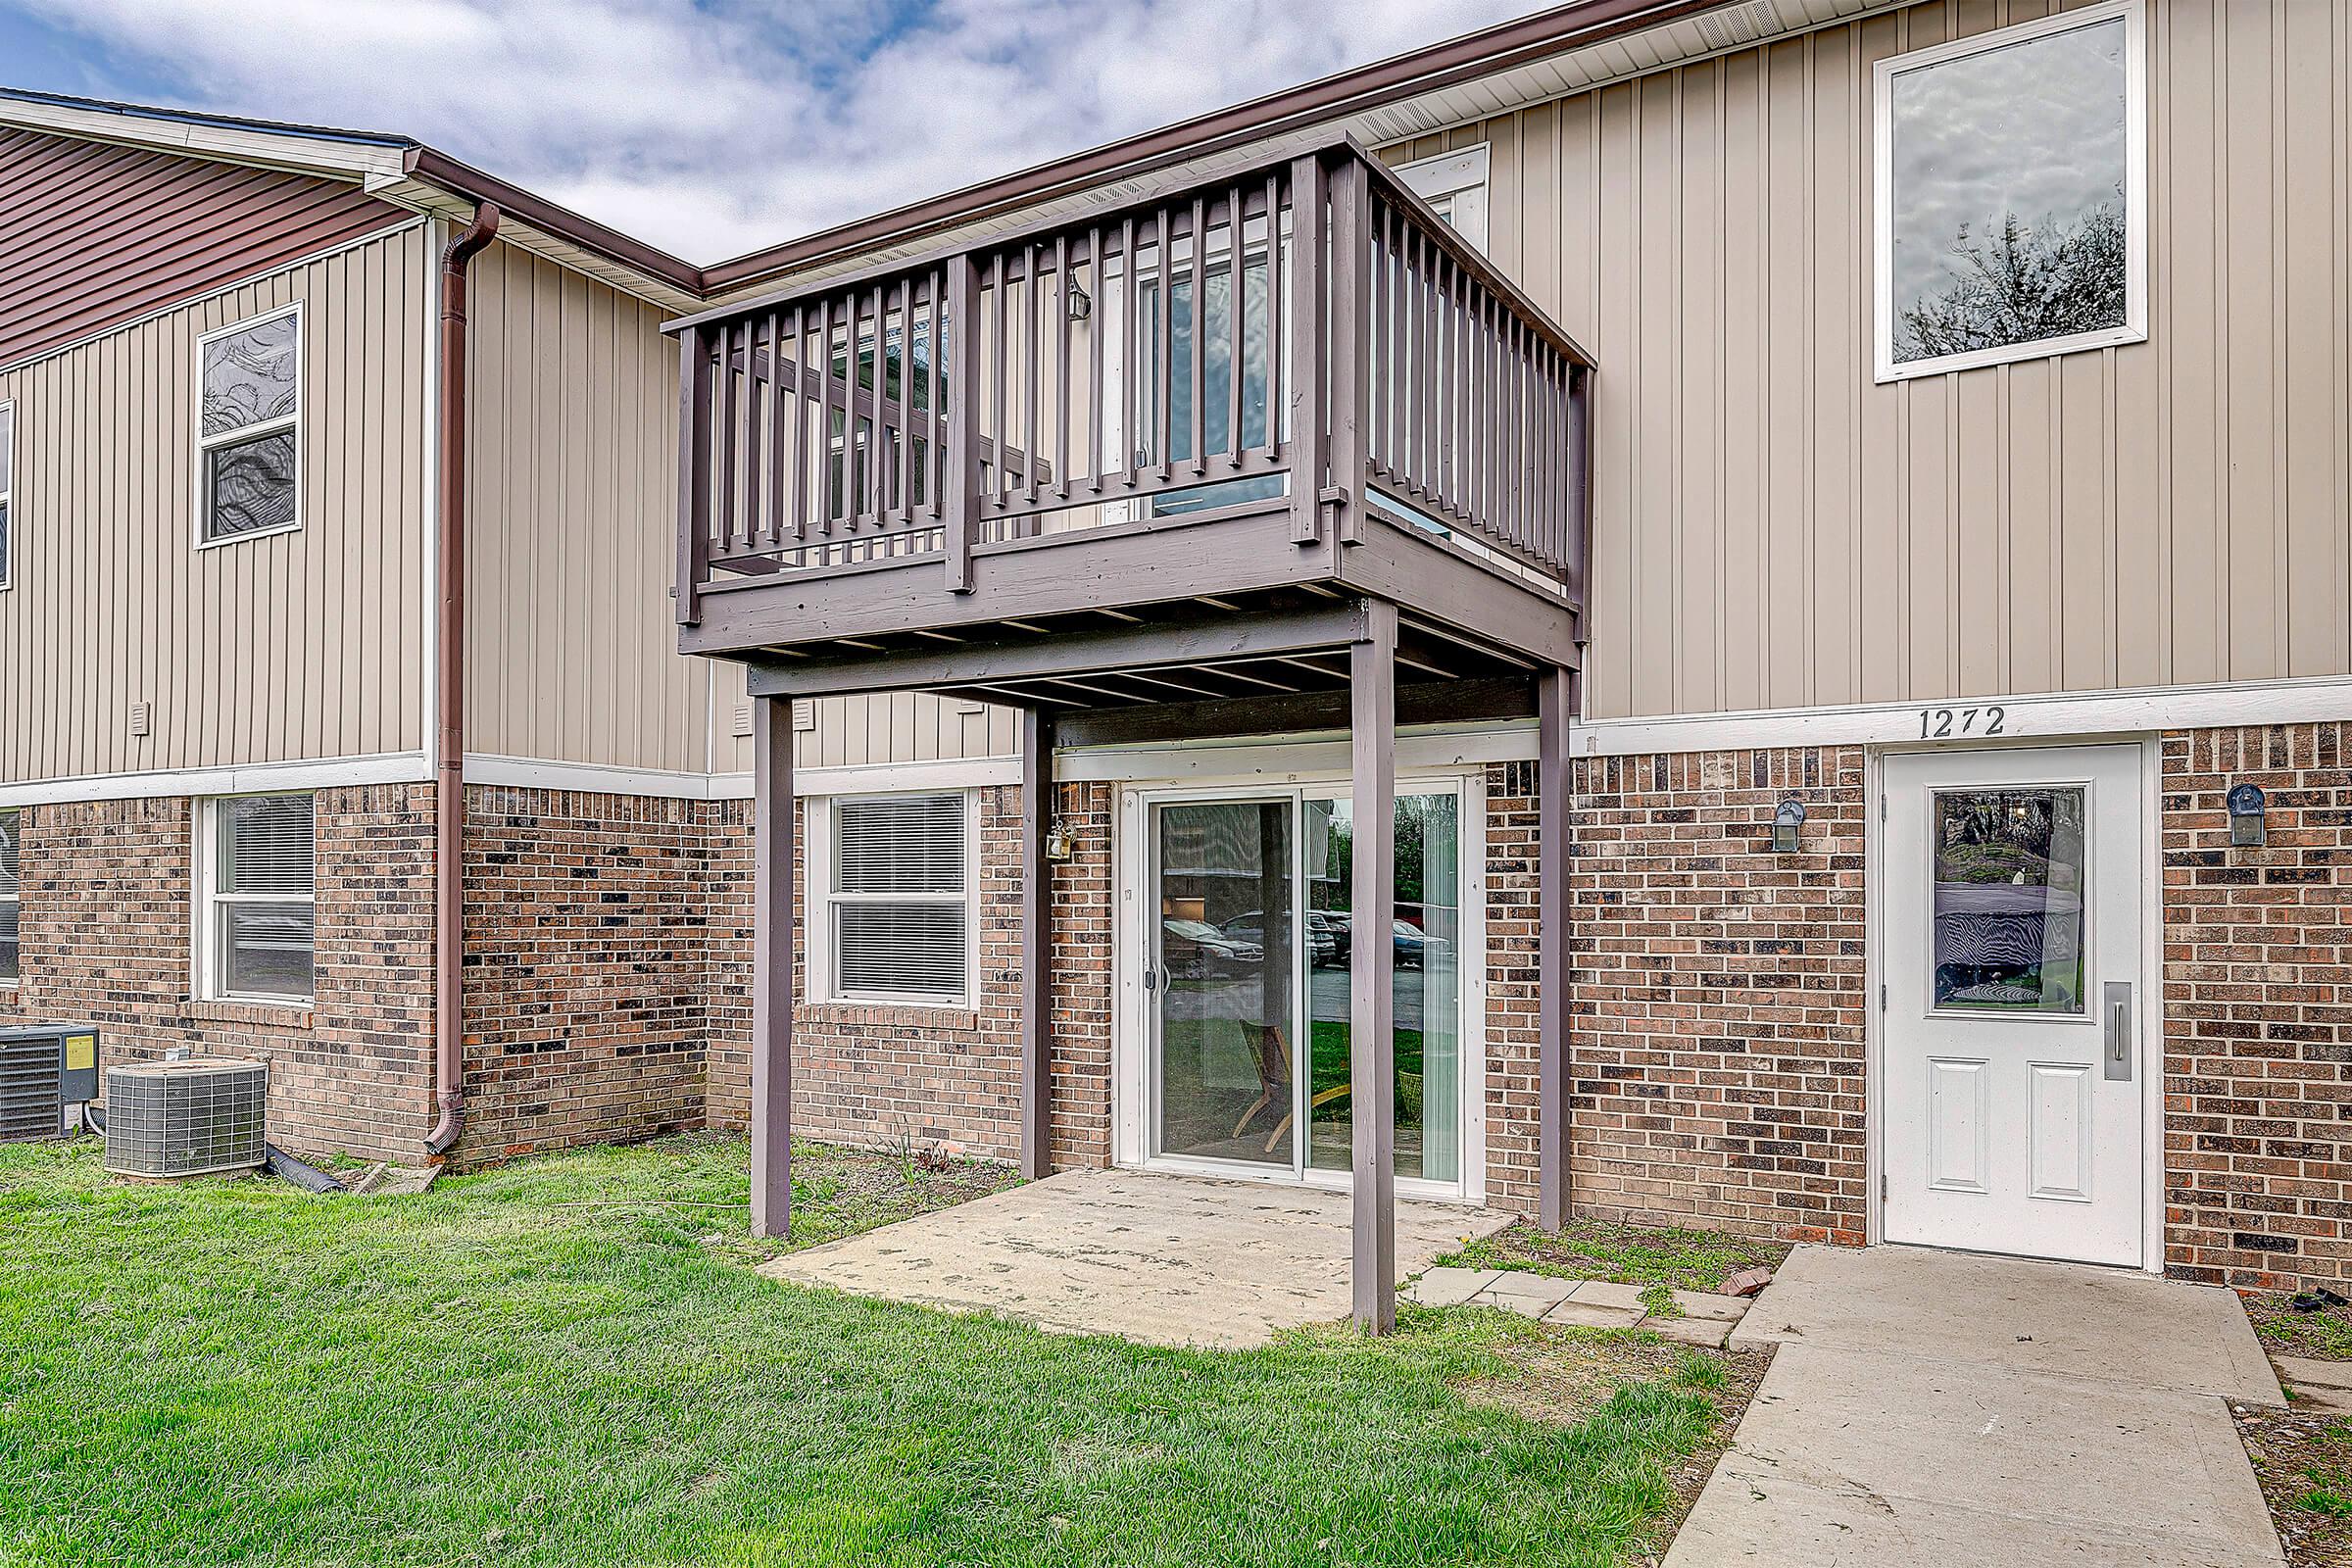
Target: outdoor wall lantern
(1081, 303)
(1060, 842)
(2245, 817)
(1784, 823)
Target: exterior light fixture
(1060, 842)
(1785, 823)
(1081, 303)
(2245, 817)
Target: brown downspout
(449, 806)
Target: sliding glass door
(1247, 978)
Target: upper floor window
(2012, 194)
(1454, 184)
(899, 924)
(256, 878)
(248, 480)
(11, 894)
(8, 491)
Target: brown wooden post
(772, 965)
(1309, 276)
(1037, 944)
(1556, 704)
(961, 519)
(694, 471)
(1372, 964)
(1351, 340)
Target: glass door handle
(2119, 1030)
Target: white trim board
(255, 778)
(680, 784)
(2030, 715)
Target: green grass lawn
(568, 1361)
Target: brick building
(1939, 832)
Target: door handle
(2119, 1031)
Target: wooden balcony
(1269, 452)
(1074, 467)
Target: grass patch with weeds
(568, 1360)
(1668, 1258)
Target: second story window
(2012, 194)
(8, 492)
(1454, 184)
(249, 443)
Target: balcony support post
(772, 965)
(1554, 1079)
(1372, 967)
(693, 472)
(1309, 339)
(1037, 944)
(1350, 341)
(960, 520)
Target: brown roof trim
(437, 168)
(1574, 26)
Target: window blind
(265, 878)
(900, 923)
(11, 952)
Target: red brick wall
(1720, 999)
(108, 917)
(864, 1073)
(587, 968)
(2258, 1009)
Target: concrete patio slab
(1448, 1287)
(1163, 1259)
(1935, 1407)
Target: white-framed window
(8, 495)
(898, 923)
(2010, 173)
(247, 429)
(1454, 184)
(11, 896)
(257, 895)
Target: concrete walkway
(1937, 1408)
(1164, 1259)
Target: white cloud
(715, 129)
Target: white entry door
(2015, 1002)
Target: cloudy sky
(2035, 129)
(715, 127)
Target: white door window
(2012, 961)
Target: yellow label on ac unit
(81, 1052)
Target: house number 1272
(1944, 723)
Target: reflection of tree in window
(2009, 900)
(2024, 284)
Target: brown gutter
(437, 168)
(1503, 47)
(449, 805)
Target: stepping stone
(1600, 1293)
(1706, 1332)
(2318, 1385)
(1450, 1287)
(1706, 1304)
(1573, 1313)
(1529, 1295)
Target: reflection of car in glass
(1195, 950)
(1324, 947)
(1415, 946)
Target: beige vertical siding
(572, 475)
(303, 645)
(1775, 529)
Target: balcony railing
(1305, 335)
